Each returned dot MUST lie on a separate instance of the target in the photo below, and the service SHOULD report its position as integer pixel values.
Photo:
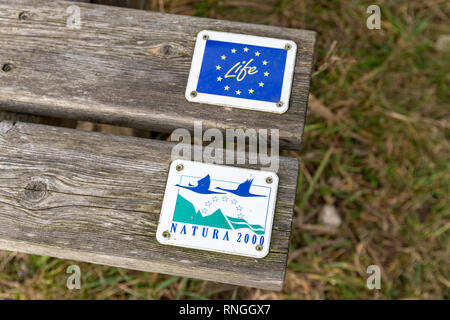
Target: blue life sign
(242, 71)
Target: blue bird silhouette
(243, 190)
(201, 187)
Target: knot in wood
(35, 191)
(7, 67)
(167, 50)
(24, 15)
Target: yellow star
(266, 74)
(264, 62)
(226, 88)
(218, 67)
(219, 78)
(245, 49)
(238, 92)
(257, 53)
(223, 57)
(233, 50)
(251, 91)
(261, 84)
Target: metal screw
(288, 46)
(259, 247)
(205, 37)
(193, 94)
(24, 15)
(280, 104)
(269, 180)
(166, 234)
(180, 167)
(7, 67)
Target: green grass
(381, 157)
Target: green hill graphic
(185, 213)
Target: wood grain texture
(128, 67)
(95, 197)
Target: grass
(376, 147)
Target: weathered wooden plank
(128, 67)
(96, 197)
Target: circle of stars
(251, 90)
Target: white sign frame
(234, 102)
(238, 243)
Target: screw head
(269, 180)
(193, 94)
(166, 235)
(180, 167)
(288, 46)
(205, 37)
(259, 247)
(280, 104)
(7, 67)
(24, 15)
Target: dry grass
(376, 148)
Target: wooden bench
(94, 197)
